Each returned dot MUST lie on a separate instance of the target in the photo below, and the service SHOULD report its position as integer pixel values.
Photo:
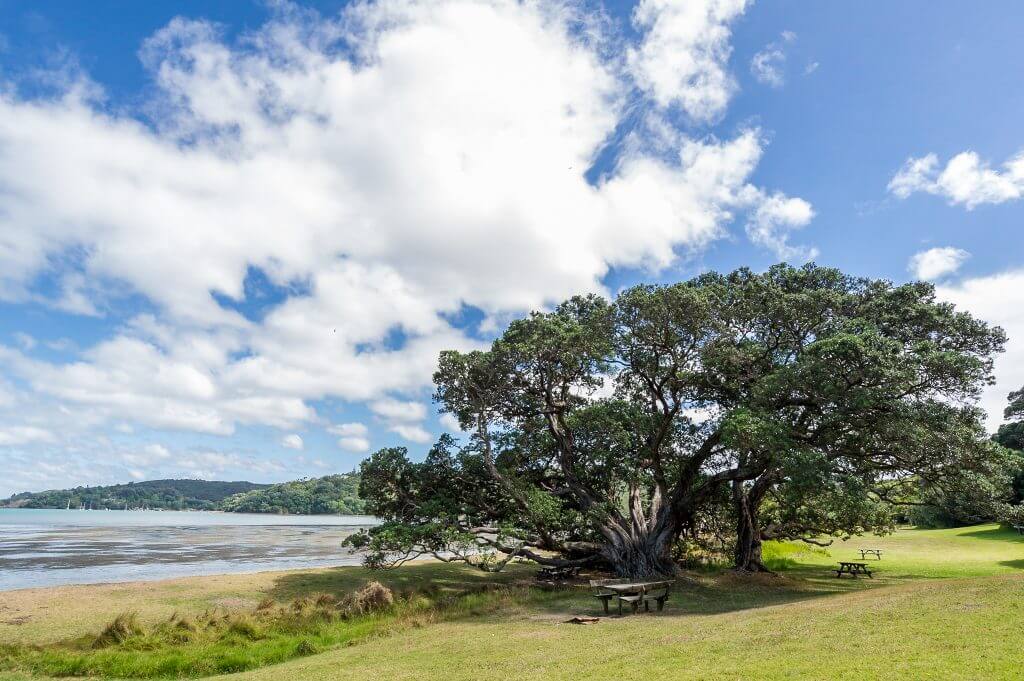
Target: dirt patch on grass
(16, 621)
(235, 603)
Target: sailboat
(69, 504)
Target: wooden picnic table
(853, 569)
(864, 553)
(633, 593)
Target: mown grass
(944, 604)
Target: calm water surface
(52, 547)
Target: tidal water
(54, 547)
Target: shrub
(373, 597)
(125, 626)
(243, 625)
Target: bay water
(43, 547)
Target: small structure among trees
(796, 402)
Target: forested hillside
(330, 494)
(153, 494)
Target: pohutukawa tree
(598, 432)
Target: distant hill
(178, 495)
(330, 494)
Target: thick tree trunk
(747, 503)
(642, 555)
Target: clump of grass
(124, 627)
(325, 601)
(374, 597)
(243, 625)
(179, 629)
(306, 647)
(266, 604)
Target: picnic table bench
(877, 553)
(632, 592)
(853, 569)
(554, 574)
(1019, 528)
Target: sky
(234, 236)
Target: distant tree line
(176, 495)
(330, 494)
(326, 495)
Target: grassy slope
(905, 623)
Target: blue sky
(234, 235)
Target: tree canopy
(205, 495)
(317, 496)
(601, 431)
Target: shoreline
(35, 613)
(48, 614)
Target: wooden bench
(658, 595)
(853, 569)
(632, 592)
(632, 599)
(604, 594)
(554, 574)
(864, 553)
(1019, 528)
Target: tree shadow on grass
(1018, 564)
(996, 533)
(453, 578)
(708, 592)
(696, 593)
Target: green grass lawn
(944, 604)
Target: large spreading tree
(598, 433)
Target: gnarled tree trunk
(642, 551)
(747, 503)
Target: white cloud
(965, 180)
(936, 262)
(354, 444)
(412, 433)
(148, 456)
(768, 64)
(23, 435)
(348, 429)
(157, 451)
(482, 116)
(683, 57)
(772, 221)
(7, 394)
(353, 436)
(292, 441)
(998, 299)
(26, 341)
(395, 410)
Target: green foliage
(326, 495)
(174, 495)
(602, 431)
(1015, 408)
